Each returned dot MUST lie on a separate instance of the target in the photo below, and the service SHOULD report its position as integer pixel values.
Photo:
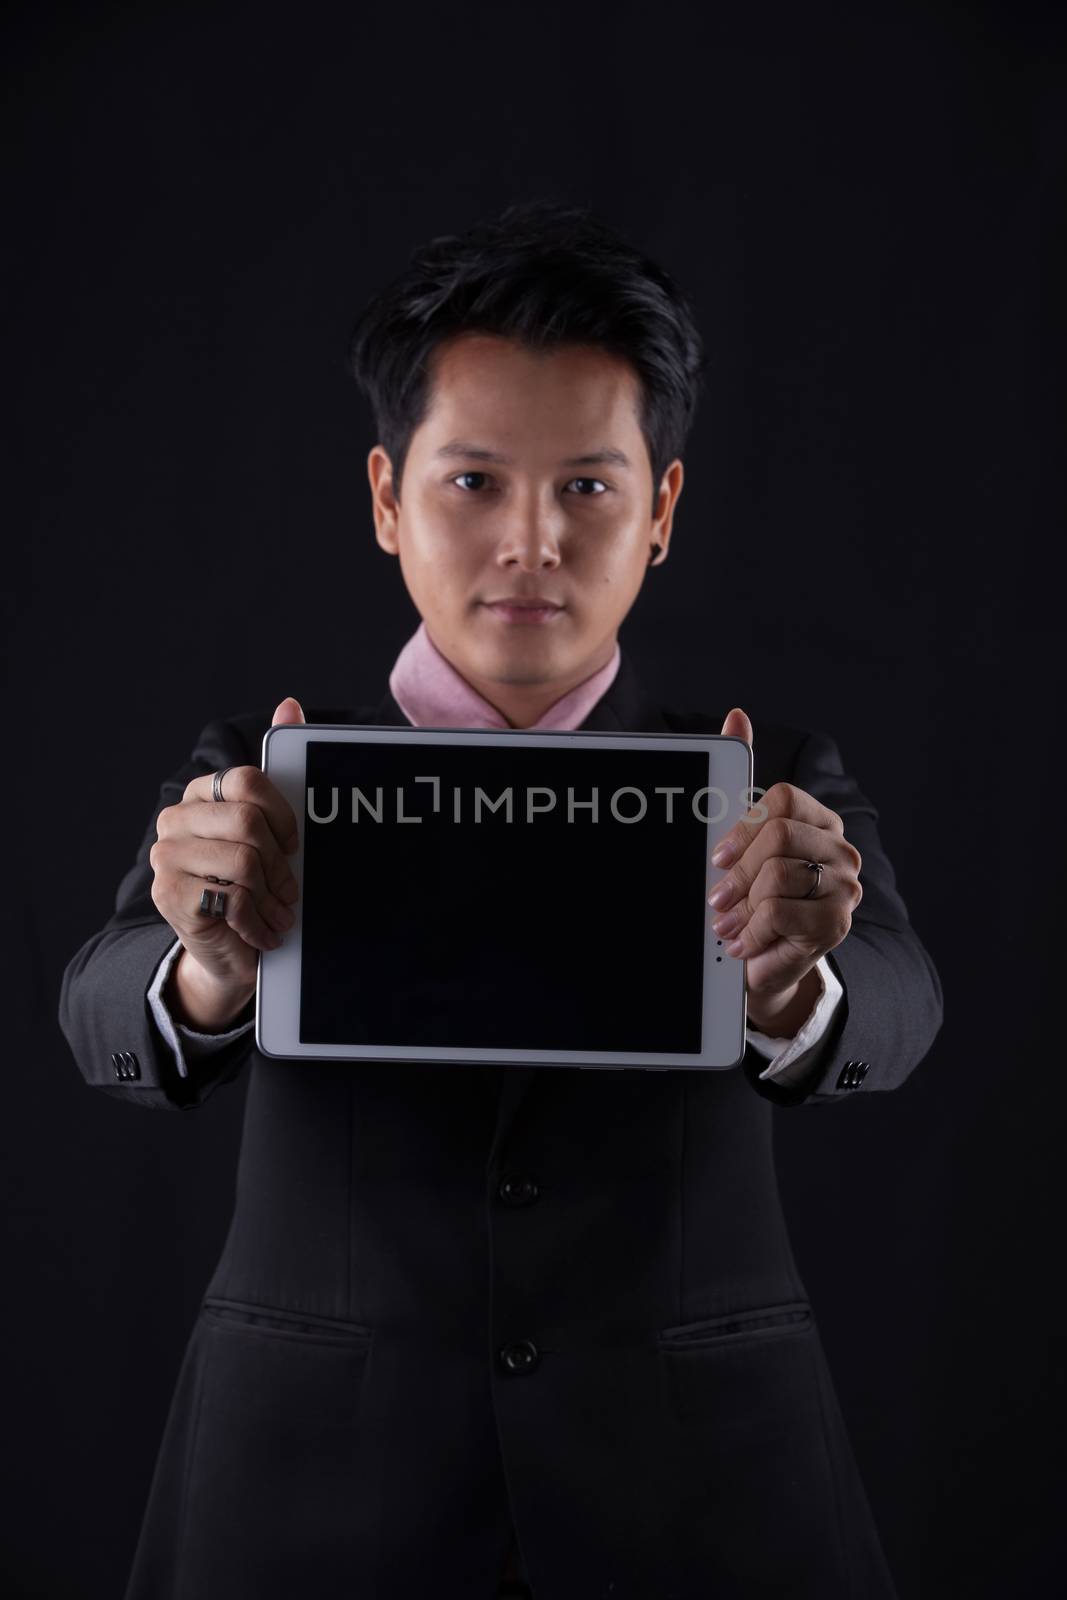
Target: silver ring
(216, 784)
(213, 902)
(816, 867)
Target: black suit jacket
(453, 1294)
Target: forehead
(496, 391)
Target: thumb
(737, 726)
(288, 711)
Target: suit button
(520, 1357)
(516, 1191)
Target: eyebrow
(474, 452)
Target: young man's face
(470, 531)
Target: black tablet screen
(542, 928)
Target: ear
(666, 503)
(384, 505)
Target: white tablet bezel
(278, 985)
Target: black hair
(546, 274)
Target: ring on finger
(816, 867)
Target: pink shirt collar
(432, 694)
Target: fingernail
(724, 854)
(721, 893)
(735, 947)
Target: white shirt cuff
(791, 1058)
(187, 1043)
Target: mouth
(524, 611)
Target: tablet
(498, 895)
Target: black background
(864, 202)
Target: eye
(600, 481)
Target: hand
(243, 838)
(761, 904)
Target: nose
(532, 544)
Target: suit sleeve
(105, 1011)
(891, 1009)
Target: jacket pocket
(281, 1465)
(733, 1327)
(248, 1316)
(751, 1493)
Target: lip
(524, 611)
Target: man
(479, 1328)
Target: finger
(288, 710)
(786, 838)
(239, 822)
(231, 860)
(786, 880)
(196, 860)
(737, 725)
(806, 929)
(782, 800)
(180, 904)
(241, 913)
(783, 877)
(250, 785)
